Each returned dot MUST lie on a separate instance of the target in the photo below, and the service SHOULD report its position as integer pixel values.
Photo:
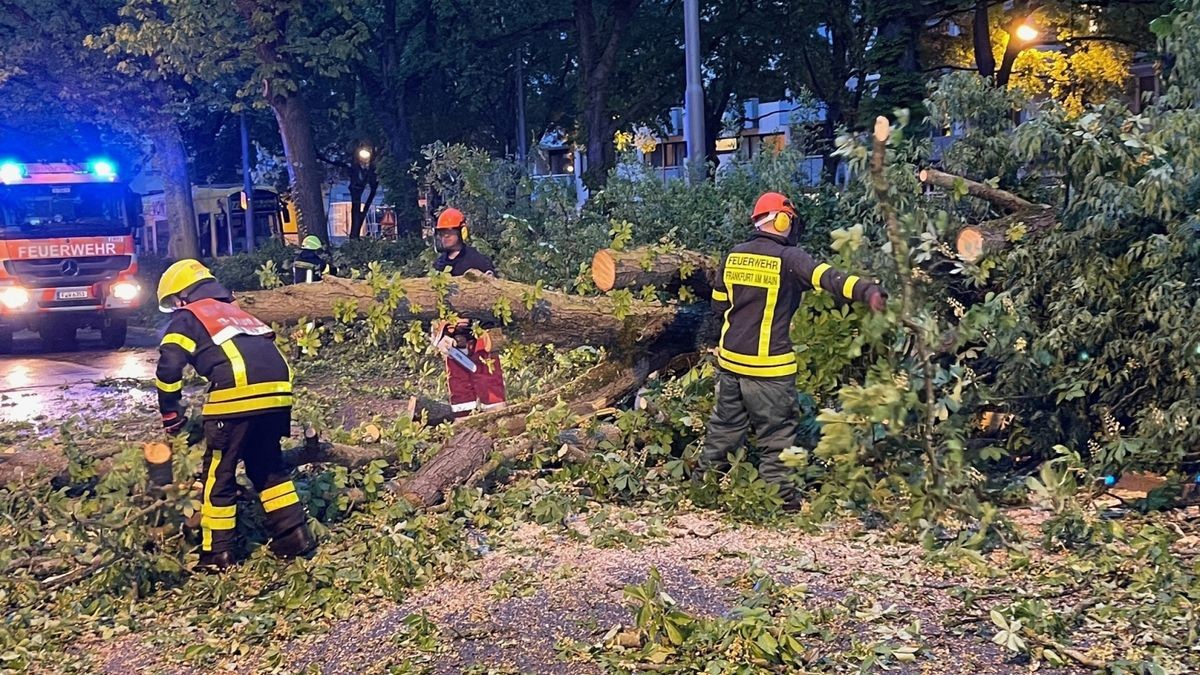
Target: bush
(239, 272)
(410, 256)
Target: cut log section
(542, 316)
(158, 463)
(975, 242)
(666, 271)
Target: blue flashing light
(104, 168)
(11, 172)
(1110, 481)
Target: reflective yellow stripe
(286, 487)
(725, 318)
(247, 405)
(186, 343)
(221, 395)
(753, 371)
(168, 387)
(206, 537)
(749, 360)
(219, 511)
(281, 502)
(818, 273)
(214, 523)
(848, 287)
(768, 318)
(235, 362)
(720, 296)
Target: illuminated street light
(364, 154)
(1026, 33)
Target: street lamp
(364, 155)
(1026, 33)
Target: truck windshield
(38, 211)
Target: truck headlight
(14, 297)
(124, 290)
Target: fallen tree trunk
(666, 271)
(1000, 198)
(458, 458)
(537, 315)
(349, 456)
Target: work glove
(174, 421)
(444, 344)
(490, 340)
(437, 330)
(877, 300)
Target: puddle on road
(55, 387)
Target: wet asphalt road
(35, 383)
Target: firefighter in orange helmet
(473, 369)
(247, 412)
(758, 288)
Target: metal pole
(521, 132)
(694, 99)
(248, 187)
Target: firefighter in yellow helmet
(310, 266)
(247, 412)
(758, 289)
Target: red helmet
(772, 202)
(450, 219)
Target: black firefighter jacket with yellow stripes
(758, 289)
(234, 351)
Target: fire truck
(67, 256)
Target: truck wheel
(6, 341)
(113, 333)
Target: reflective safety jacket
(309, 267)
(758, 289)
(233, 350)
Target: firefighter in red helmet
(473, 369)
(758, 288)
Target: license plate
(74, 294)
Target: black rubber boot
(216, 561)
(295, 542)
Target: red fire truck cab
(67, 258)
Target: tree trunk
(458, 458)
(349, 456)
(599, 128)
(1014, 46)
(304, 171)
(171, 157)
(982, 40)
(597, 61)
(645, 267)
(557, 318)
(356, 216)
(1000, 198)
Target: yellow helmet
(179, 277)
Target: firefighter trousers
(254, 440)
(766, 405)
(483, 388)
